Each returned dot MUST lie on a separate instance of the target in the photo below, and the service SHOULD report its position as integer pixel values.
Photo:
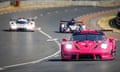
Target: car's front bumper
(79, 55)
(29, 28)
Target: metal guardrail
(72, 2)
(64, 2)
(4, 4)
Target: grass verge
(104, 23)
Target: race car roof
(91, 32)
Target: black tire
(113, 52)
(12, 30)
(33, 31)
(98, 58)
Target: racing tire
(12, 29)
(32, 31)
(98, 58)
(63, 59)
(113, 52)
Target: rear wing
(64, 22)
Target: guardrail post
(15, 3)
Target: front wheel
(98, 58)
(113, 52)
(10, 29)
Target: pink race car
(88, 44)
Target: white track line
(1, 69)
(52, 39)
(39, 60)
(39, 29)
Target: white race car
(22, 24)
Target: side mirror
(64, 39)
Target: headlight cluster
(104, 45)
(63, 25)
(68, 46)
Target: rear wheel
(32, 30)
(12, 29)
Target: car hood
(86, 45)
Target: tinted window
(79, 37)
(88, 37)
(21, 22)
(95, 37)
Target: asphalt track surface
(20, 51)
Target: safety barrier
(64, 2)
(73, 2)
(4, 4)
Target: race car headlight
(63, 25)
(13, 27)
(104, 46)
(68, 46)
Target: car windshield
(21, 22)
(91, 37)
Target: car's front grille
(86, 56)
(74, 57)
(83, 57)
